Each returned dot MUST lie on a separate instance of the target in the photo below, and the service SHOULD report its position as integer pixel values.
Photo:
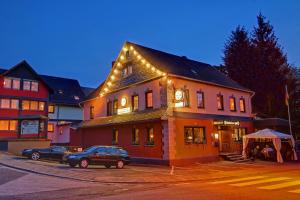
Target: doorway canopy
(276, 138)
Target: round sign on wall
(123, 102)
(178, 95)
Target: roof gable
(25, 71)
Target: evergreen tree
(260, 65)
(271, 70)
(237, 57)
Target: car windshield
(90, 149)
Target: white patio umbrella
(276, 139)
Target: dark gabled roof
(2, 71)
(29, 68)
(65, 91)
(87, 90)
(184, 67)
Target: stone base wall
(16, 146)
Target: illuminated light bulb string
(109, 82)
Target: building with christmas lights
(165, 109)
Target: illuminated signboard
(226, 123)
(123, 111)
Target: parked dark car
(53, 153)
(99, 155)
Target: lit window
(34, 86)
(115, 136)
(200, 99)
(220, 103)
(26, 85)
(8, 125)
(60, 91)
(125, 72)
(41, 106)
(232, 105)
(50, 127)
(242, 105)
(238, 134)
(4, 125)
(13, 125)
(194, 135)
(5, 103)
(16, 84)
(135, 103)
(7, 82)
(92, 112)
(149, 99)
(25, 105)
(14, 104)
(129, 70)
(76, 97)
(115, 106)
(150, 136)
(34, 105)
(135, 136)
(51, 109)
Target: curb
(95, 181)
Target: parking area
(218, 178)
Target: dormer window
(126, 71)
(60, 91)
(76, 97)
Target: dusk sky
(79, 39)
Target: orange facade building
(166, 109)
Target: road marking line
(295, 191)
(260, 181)
(280, 185)
(239, 179)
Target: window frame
(115, 136)
(203, 101)
(146, 99)
(135, 137)
(109, 109)
(30, 103)
(53, 106)
(52, 125)
(92, 112)
(132, 102)
(221, 102)
(239, 133)
(204, 139)
(242, 99)
(9, 125)
(30, 85)
(115, 109)
(148, 138)
(234, 103)
(12, 80)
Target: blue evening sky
(80, 38)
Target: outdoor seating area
(271, 145)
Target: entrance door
(225, 141)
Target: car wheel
(84, 163)
(107, 166)
(120, 164)
(72, 165)
(35, 156)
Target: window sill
(134, 144)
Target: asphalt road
(234, 182)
